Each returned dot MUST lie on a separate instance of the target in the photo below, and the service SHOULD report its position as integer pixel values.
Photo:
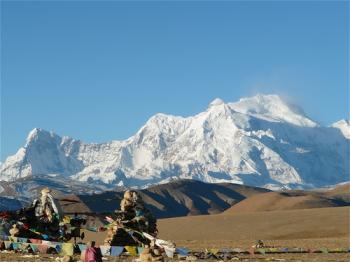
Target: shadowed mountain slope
(174, 199)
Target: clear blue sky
(97, 71)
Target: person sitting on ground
(91, 253)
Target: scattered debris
(259, 244)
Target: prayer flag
(324, 250)
(45, 242)
(116, 250)
(43, 248)
(13, 239)
(24, 246)
(35, 241)
(58, 247)
(45, 236)
(93, 229)
(284, 249)
(139, 250)
(16, 245)
(182, 251)
(261, 251)
(214, 251)
(4, 237)
(336, 250)
(132, 250)
(22, 240)
(34, 247)
(105, 250)
(82, 247)
(67, 249)
(8, 244)
(66, 219)
(169, 251)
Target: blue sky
(97, 71)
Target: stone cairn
(130, 222)
(39, 220)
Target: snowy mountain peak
(344, 127)
(38, 133)
(33, 134)
(272, 108)
(216, 102)
(262, 104)
(342, 122)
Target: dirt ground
(242, 228)
(9, 257)
(306, 228)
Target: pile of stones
(130, 222)
(39, 220)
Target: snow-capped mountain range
(259, 141)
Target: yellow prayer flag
(67, 249)
(66, 219)
(132, 250)
(214, 251)
(13, 239)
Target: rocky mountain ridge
(258, 141)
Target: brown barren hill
(293, 199)
(341, 189)
(340, 192)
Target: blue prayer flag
(116, 251)
(182, 251)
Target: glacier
(259, 141)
